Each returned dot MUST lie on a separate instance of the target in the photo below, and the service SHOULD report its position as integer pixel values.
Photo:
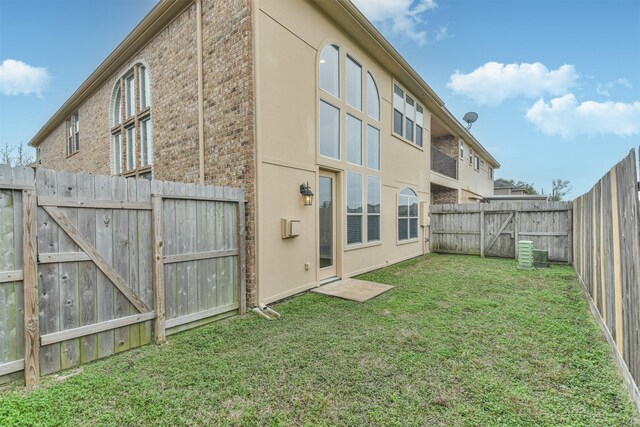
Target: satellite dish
(470, 118)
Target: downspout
(200, 89)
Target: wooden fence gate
(492, 229)
(120, 262)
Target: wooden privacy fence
(115, 264)
(607, 261)
(493, 229)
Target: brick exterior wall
(171, 60)
(447, 144)
(442, 196)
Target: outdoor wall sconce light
(307, 194)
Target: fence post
(481, 233)
(30, 289)
(242, 267)
(158, 270)
(516, 232)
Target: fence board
(607, 260)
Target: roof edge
(156, 20)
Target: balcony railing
(443, 163)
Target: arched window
(373, 98)
(407, 215)
(330, 70)
(131, 132)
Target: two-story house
(283, 99)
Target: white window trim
(416, 103)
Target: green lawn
(459, 341)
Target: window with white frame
(145, 88)
(116, 153)
(471, 157)
(461, 149)
(354, 84)
(476, 164)
(408, 116)
(131, 148)
(490, 173)
(373, 98)
(373, 208)
(130, 100)
(407, 215)
(354, 208)
(146, 143)
(330, 70)
(329, 131)
(373, 148)
(354, 140)
(419, 124)
(132, 130)
(73, 134)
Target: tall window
(407, 215)
(373, 208)
(354, 84)
(132, 133)
(373, 148)
(491, 173)
(330, 70)
(349, 133)
(354, 140)
(373, 98)
(461, 149)
(329, 130)
(354, 208)
(73, 134)
(408, 116)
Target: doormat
(352, 289)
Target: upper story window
(346, 118)
(132, 133)
(491, 173)
(408, 116)
(354, 84)
(461, 149)
(476, 164)
(407, 215)
(373, 98)
(330, 70)
(73, 134)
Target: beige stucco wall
(289, 36)
(472, 181)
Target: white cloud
(442, 34)
(398, 17)
(603, 89)
(18, 78)
(566, 117)
(493, 82)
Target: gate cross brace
(60, 218)
(502, 227)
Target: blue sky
(556, 83)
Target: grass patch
(459, 341)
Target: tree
(559, 188)
(20, 155)
(504, 182)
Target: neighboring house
(509, 190)
(268, 95)
(462, 169)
